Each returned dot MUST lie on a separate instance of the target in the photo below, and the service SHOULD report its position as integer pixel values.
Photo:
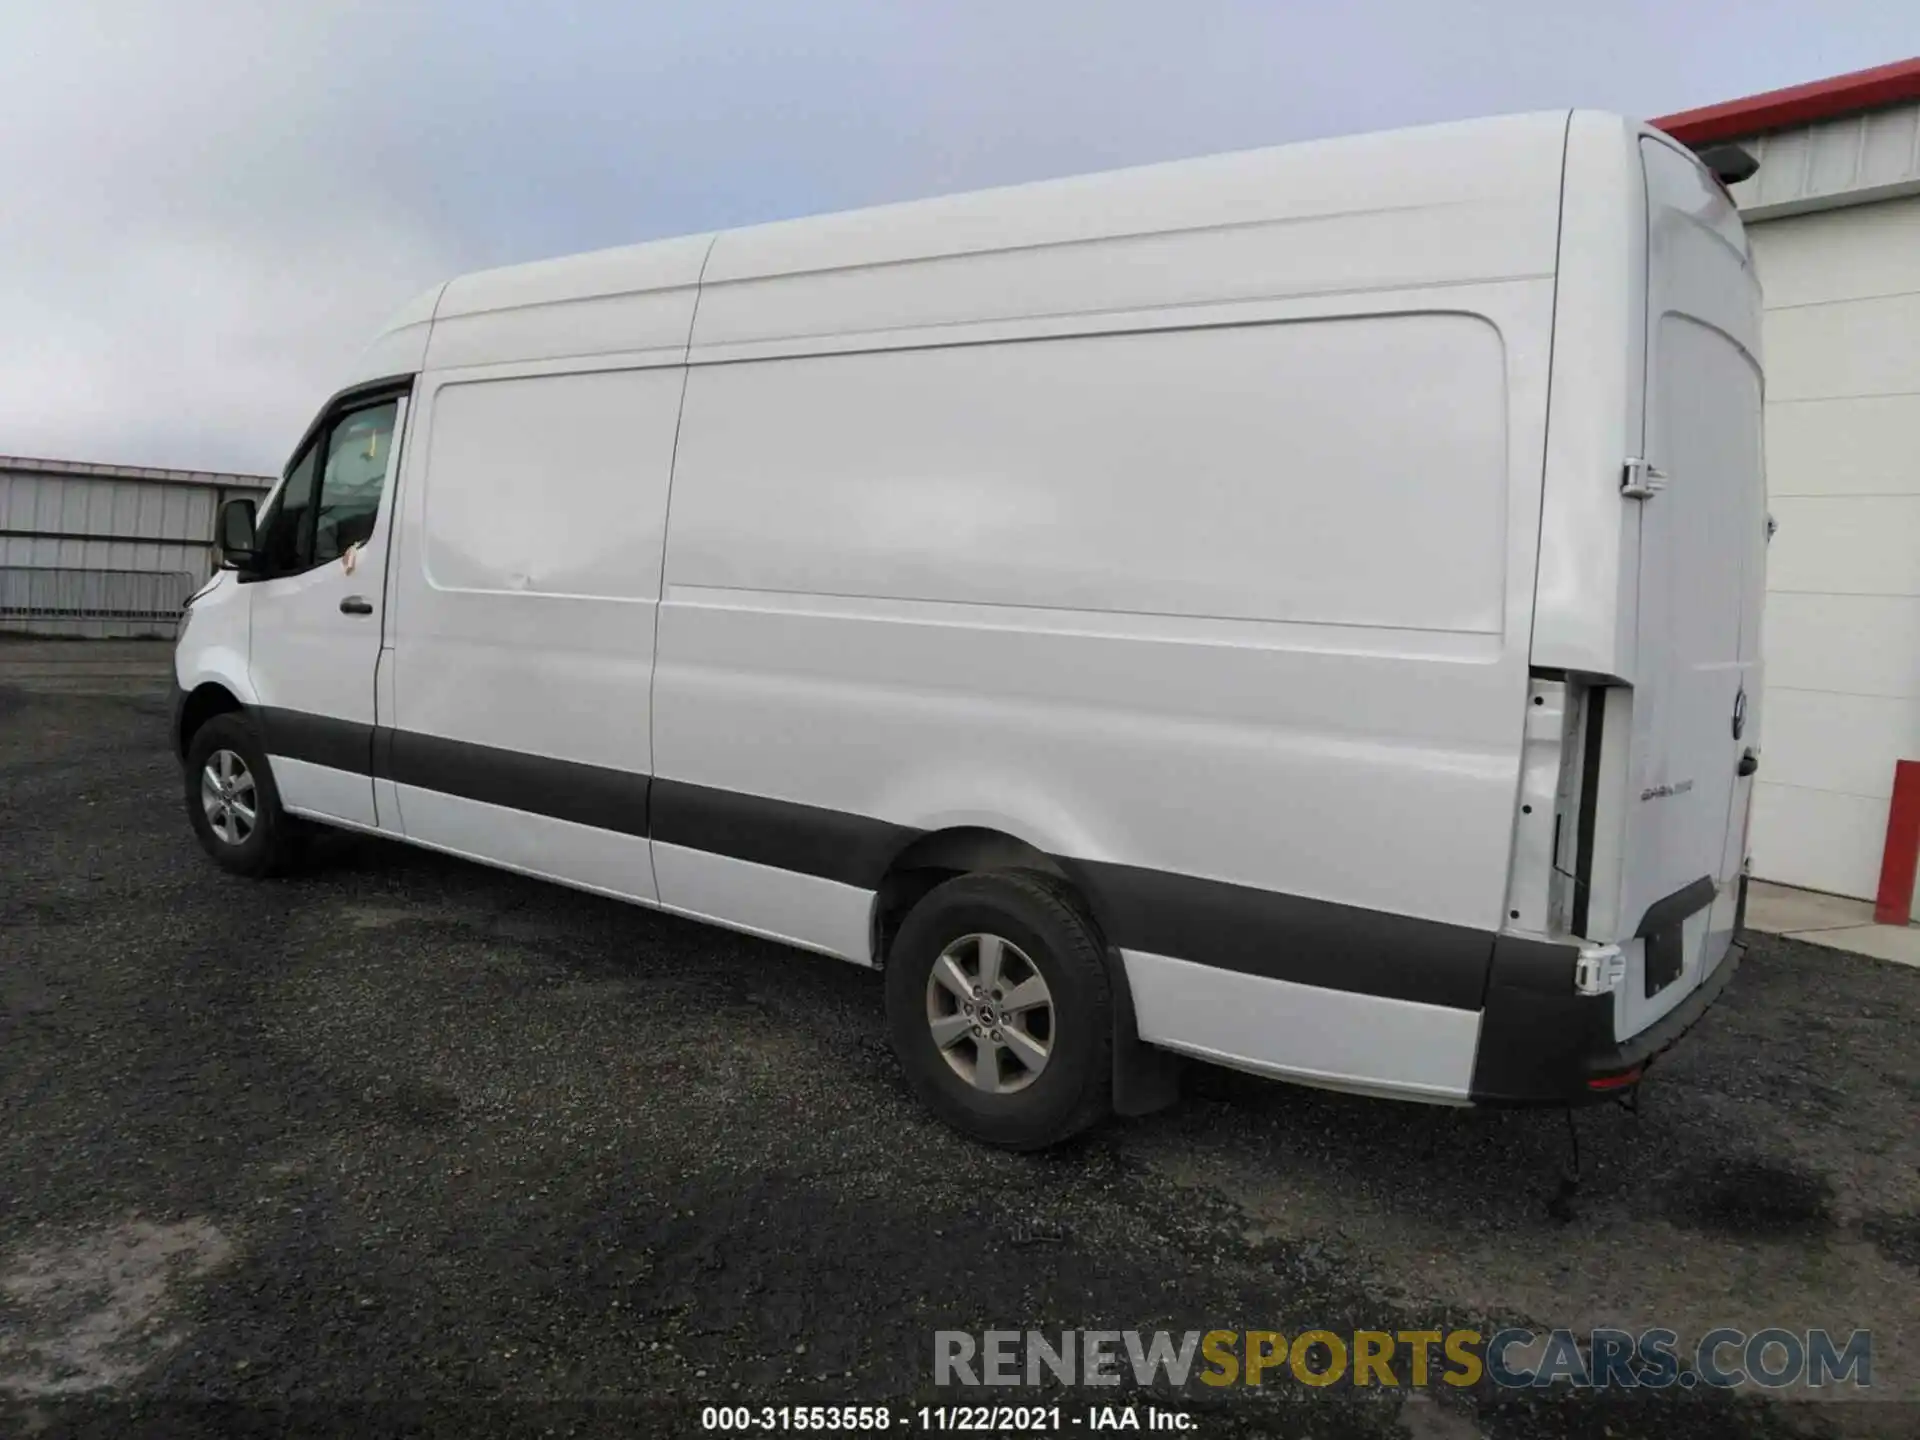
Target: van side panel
(1158, 599)
(524, 615)
(1233, 618)
(1339, 474)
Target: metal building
(105, 550)
(1834, 220)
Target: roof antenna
(1729, 163)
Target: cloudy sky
(207, 208)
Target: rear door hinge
(1642, 480)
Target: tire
(272, 840)
(1014, 1099)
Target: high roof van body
(1296, 609)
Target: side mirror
(234, 532)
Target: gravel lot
(406, 1142)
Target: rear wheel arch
(932, 859)
(1145, 1079)
(956, 1057)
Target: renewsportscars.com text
(1772, 1358)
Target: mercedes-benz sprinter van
(1295, 609)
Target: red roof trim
(1797, 104)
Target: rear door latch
(1642, 480)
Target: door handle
(356, 605)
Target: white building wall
(1848, 160)
(1842, 637)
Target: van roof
(1453, 163)
(1466, 202)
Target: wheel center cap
(986, 1015)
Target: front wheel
(232, 802)
(1001, 1010)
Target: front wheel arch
(202, 703)
(275, 839)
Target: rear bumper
(1638, 1051)
(1541, 1043)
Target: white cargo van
(1296, 609)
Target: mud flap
(1146, 1079)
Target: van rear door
(1702, 519)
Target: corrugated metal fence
(105, 550)
(44, 600)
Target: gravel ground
(406, 1144)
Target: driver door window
(357, 449)
(282, 525)
(323, 509)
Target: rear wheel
(232, 802)
(1001, 1010)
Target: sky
(209, 207)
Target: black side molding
(1206, 922)
(832, 845)
(1285, 937)
(595, 795)
(317, 739)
